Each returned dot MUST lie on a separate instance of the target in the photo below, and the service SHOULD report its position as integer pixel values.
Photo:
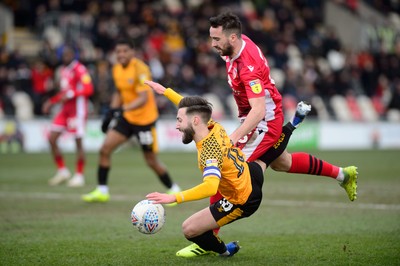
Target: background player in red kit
(260, 135)
(75, 89)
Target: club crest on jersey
(86, 79)
(255, 86)
(143, 78)
(211, 162)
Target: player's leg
(78, 180)
(302, 111)
(223, 212)
(62, 173)
(161, 171)
(194, 248)
(147, 137)
(198, 229)
(280, 145)
(59, 125)
(214, 199)
(304, 163)
(113, 140)
(76, 125)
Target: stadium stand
(313, 56)
(354, 108)
(367, 109)
(340, 108)
(218, 107)
(23, 106)
(320, 108)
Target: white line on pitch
(269, 202)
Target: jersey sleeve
(142, 74)
(56, 98)
(210, 161)
(85, 80)
(206, 189)
(173, 96)
(211, 158)
(252, 81)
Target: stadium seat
(23, 105)
(289, 104)
(218, 107)
(378, 105)
(355, 111)
(278, 76)
(318, 104)
(368, 111)
(393, 115)
(340, 108)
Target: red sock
(304, 163)
(59, 161)
(80, 164)
(214, 199)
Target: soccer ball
(147, 217)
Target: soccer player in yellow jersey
(224, 169)
(134, 109)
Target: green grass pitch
(303, 220)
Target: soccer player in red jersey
(75, 89)
(261, 135)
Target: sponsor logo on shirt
(255, 86)
(211, 162)
(251, 68)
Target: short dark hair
(229, 22)
(124, 41)
(197, 104)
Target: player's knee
(52, 141)
(282, 163)
(189, 231)
(105, 150)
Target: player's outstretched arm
(171, 95)
(157, 87)
(161, 198)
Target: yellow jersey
(218, 157)
(129, 81)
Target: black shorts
(225, 212)
(146, 135)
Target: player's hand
(243, 141)
(67, 95)
(112, 113)
(157, 87)
(161, 198)
(46, 107)
(116, 112)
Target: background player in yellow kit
(134, 109)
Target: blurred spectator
(104, 87)
(394, 102)
(42, 83)
(173, 39)
(11, 139)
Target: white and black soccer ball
(147, 217)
